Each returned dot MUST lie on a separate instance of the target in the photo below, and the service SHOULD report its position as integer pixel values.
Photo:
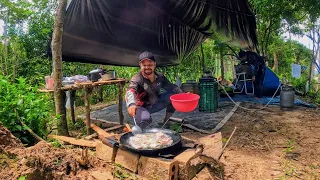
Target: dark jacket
(142, 92)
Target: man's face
(147, 67)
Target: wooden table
(88, 87)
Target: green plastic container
(208, 95)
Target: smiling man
(149, 92)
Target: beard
(148, 72)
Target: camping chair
(241, 77)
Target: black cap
(146, 55)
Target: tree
(57, 68)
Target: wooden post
(100, 90)
(56, 46)
(88, 91)
(72, 99)
(120, 85)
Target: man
(149, 92)
(259, 65)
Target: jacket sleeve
(131, 93)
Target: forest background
(27, 25)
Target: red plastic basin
(185, 102)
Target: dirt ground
(273, 144)
(268, 144)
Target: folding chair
(244, 86)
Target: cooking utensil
(176, 144)
(109, 75)
(95, 74)
(136, 129)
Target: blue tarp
(264, 100)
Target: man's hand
(253, 78)
(132, 110)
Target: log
(158, 168)
(100, 131)
(74, 141)
(94, 135)
(31, 132)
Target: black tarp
(115, 32)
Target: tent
(271, 83)
(115, 32)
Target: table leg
(120, 85)
(72, 99)
(87, 109)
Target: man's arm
(131, 93)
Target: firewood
(74, 141)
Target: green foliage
(21, 102)
(289, 146)
(176, 127)
(22, 178)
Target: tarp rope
(248, 108)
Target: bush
(21, 102)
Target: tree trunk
(275, 67)
(202, 58)
(232, 67)
(221, 64)
(56, 45)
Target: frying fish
(150, 140)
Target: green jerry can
(208, 95)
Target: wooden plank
(92, 84)
(100, 131)
(74, 141)
(226, 118)
(94, 135)
(158, 168)
(127, 159)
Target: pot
(109, 75)
(95, 74)
(177, 143)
